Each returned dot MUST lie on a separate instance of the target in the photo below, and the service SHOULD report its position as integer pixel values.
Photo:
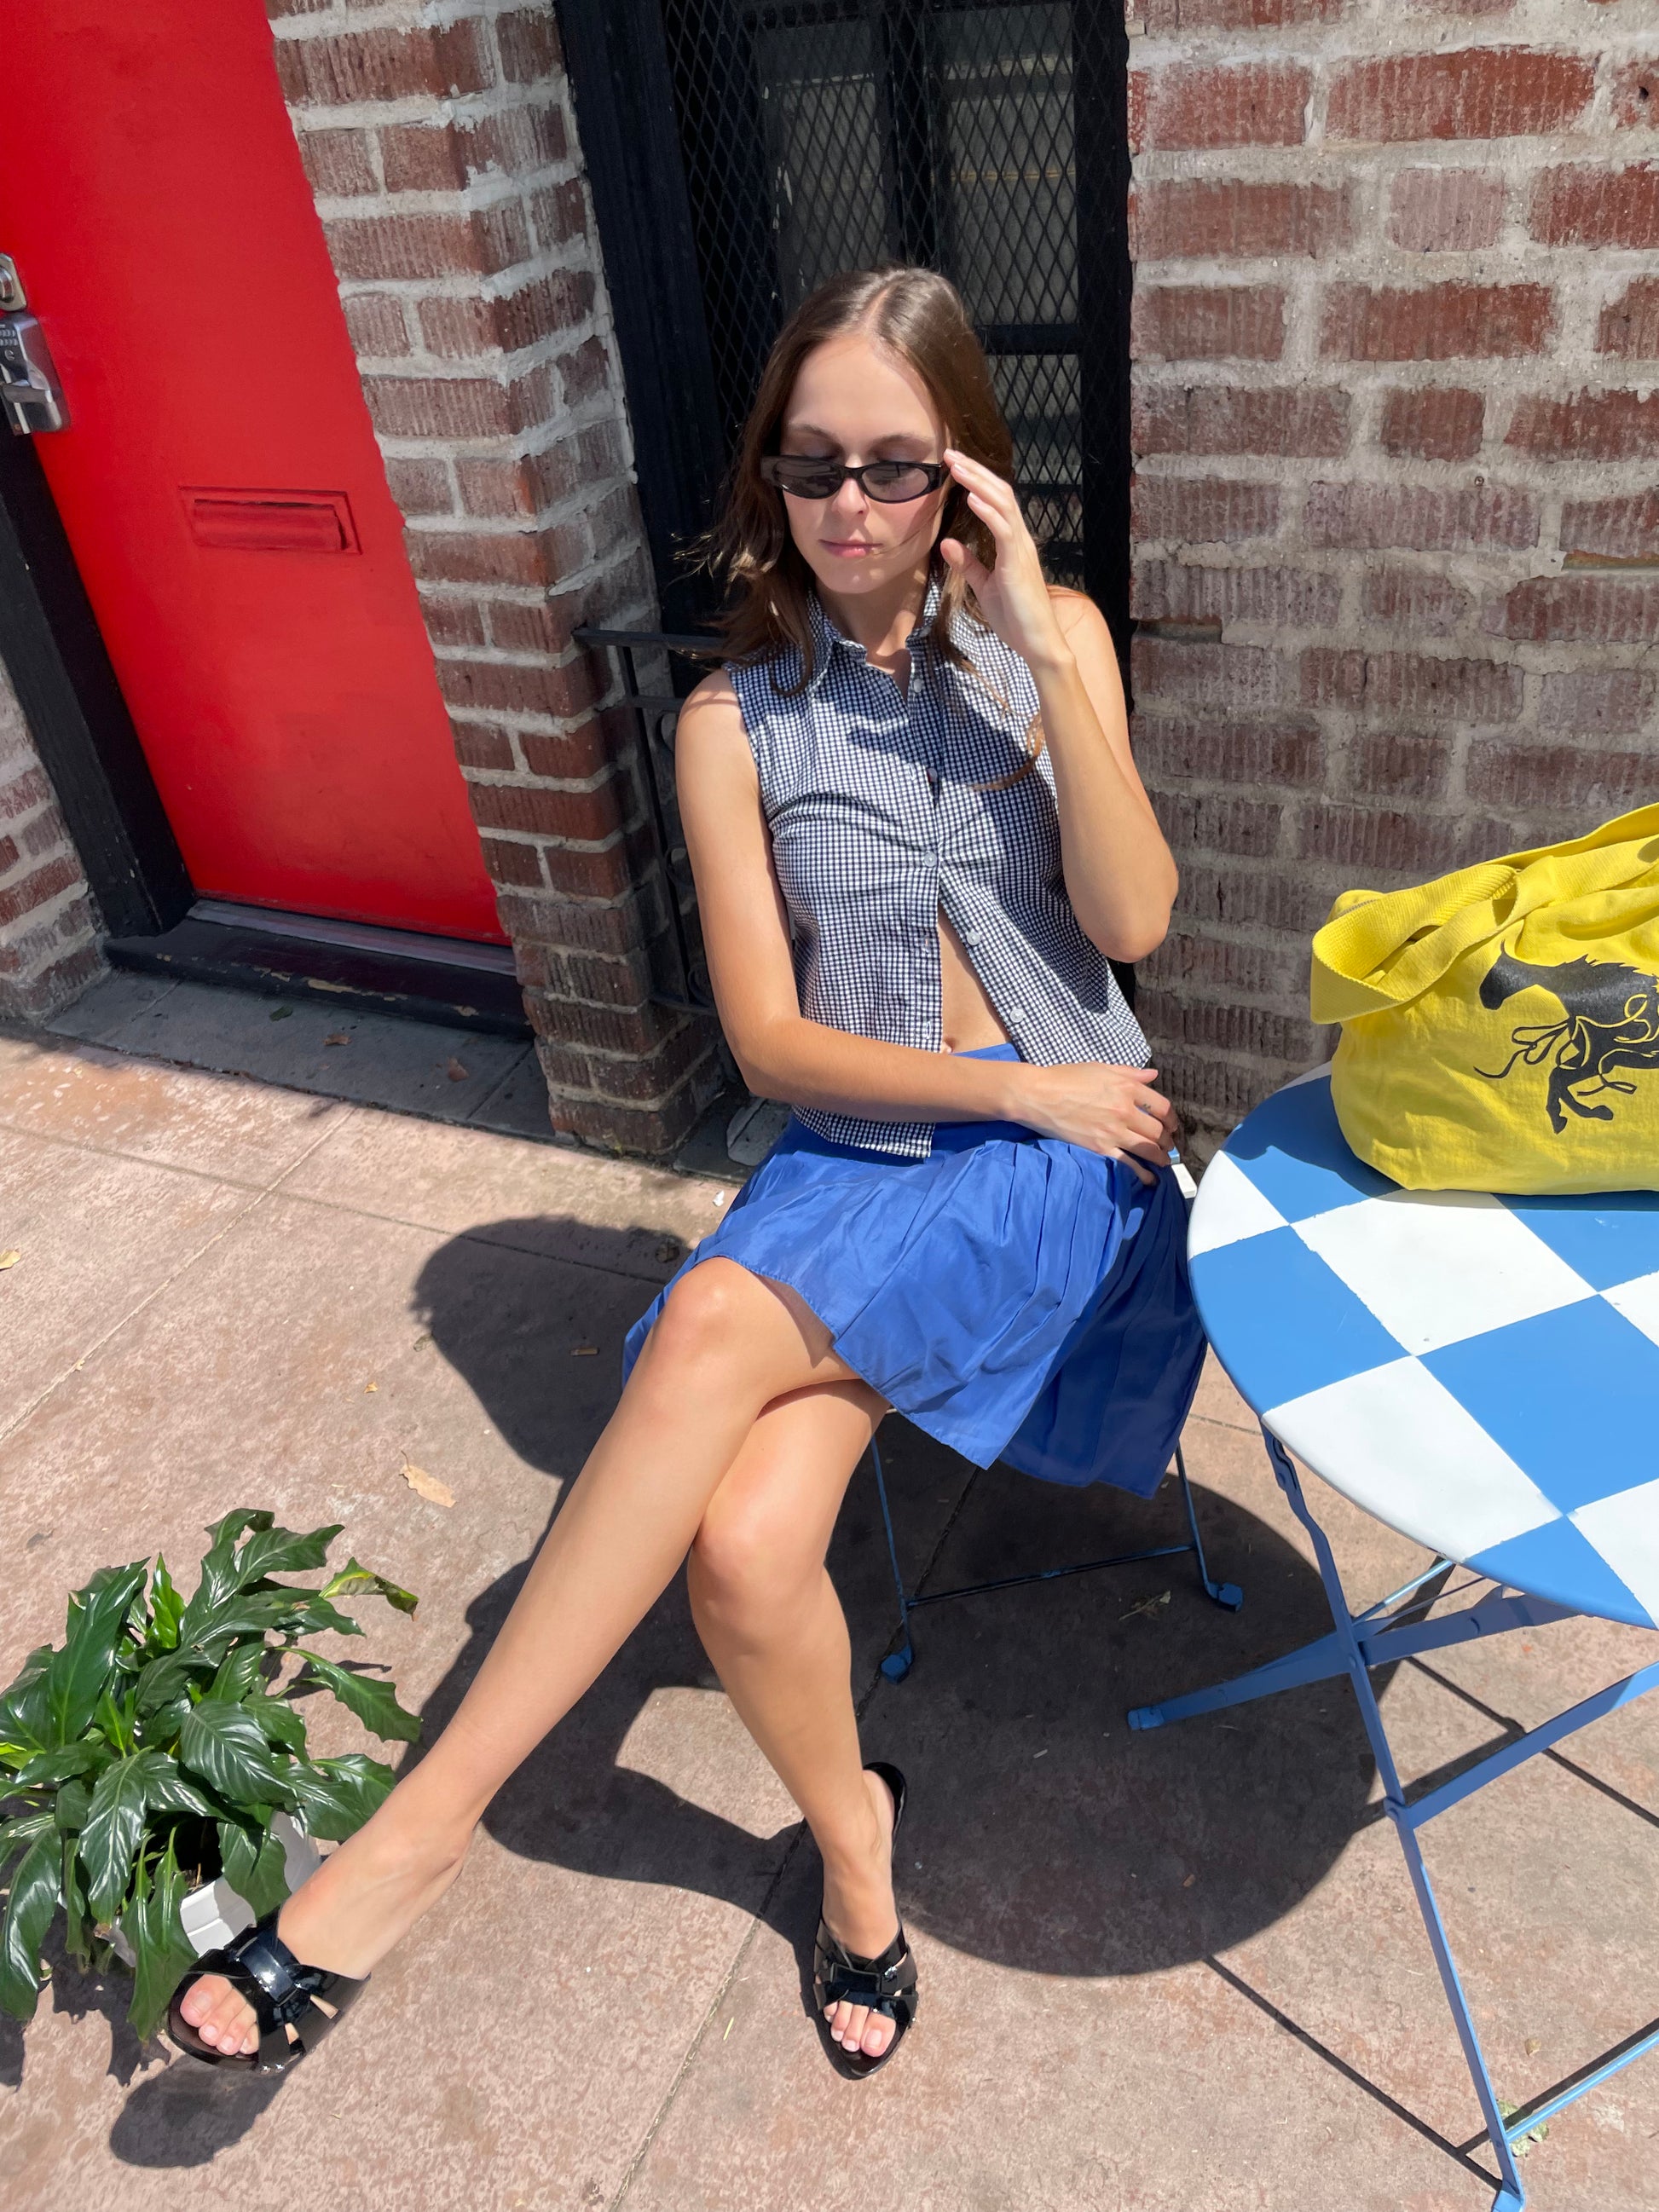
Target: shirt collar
(828, 640)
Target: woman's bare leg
(726, 1345)
(771, 1622)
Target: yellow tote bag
(1500, 1028)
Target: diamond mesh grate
(839, 133)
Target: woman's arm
(745, 927)
(1120, 874)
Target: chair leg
(897, 1664)
(1227, 1594)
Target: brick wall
(1396, 417)
(441, 147)
(48, 928)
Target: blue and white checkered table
(1480, 1373)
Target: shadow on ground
(1044, 1834)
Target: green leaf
(115, 1722)
(167, 1609)
(51, 1766)
(375, 1703)
(114, 1828)
(225, 1745)
(23, 1828)
(337, 1795)
(313, 1613)
(35, 1888)
(221, 1575)
(281, 1724)
(165, 1680)
(73, 1808)
(280, 1552)
(78, 1936)
(24, 1717)
(250, 1612)
(159, 1729)
(78, 1675)
(255, 1866)
(354, 1580)
(239, 1670)
(164, 1953)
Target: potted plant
(157, 1759)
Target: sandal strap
(845, 1977)
(281, 1990)
(283, 1987)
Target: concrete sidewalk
(1175, 1972)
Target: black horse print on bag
(1610, 1021)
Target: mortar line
(257, 1199)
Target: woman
(918, 840)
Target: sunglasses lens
(806, 479)
(893, 481)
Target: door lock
(30, 393)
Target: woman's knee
(742, 1564)
(708, 1318)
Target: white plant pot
(214, 1914)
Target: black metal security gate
(740, 152)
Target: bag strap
(1383, 950)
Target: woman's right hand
(1116, 1111)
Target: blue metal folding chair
(898, 1663)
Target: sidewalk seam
(257, 1198)
(710, 2015)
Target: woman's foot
(355, 1907)
(859, 1913)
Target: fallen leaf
(10, 1259)
(339, 1036)
(1534, 2046)
(369, 1386)
(584, 1351)
(1148, 1606)
(456, 1073)
(427, 1485)
(282, 1013)
(1188, 1882)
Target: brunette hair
(920, 316)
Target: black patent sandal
(285, 1995)
(887, 1984)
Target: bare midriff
(968, 1020)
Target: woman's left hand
(1013, 595)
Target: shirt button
(970, 937)
(1015, 1013)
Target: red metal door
(219, 480)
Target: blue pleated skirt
(1015, 1297)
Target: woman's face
(855, 401)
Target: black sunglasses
(804, 477)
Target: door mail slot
(271, 521)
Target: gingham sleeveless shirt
(885, 812)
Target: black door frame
(72, 704)
(623, 96)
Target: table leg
(1357, 1644)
